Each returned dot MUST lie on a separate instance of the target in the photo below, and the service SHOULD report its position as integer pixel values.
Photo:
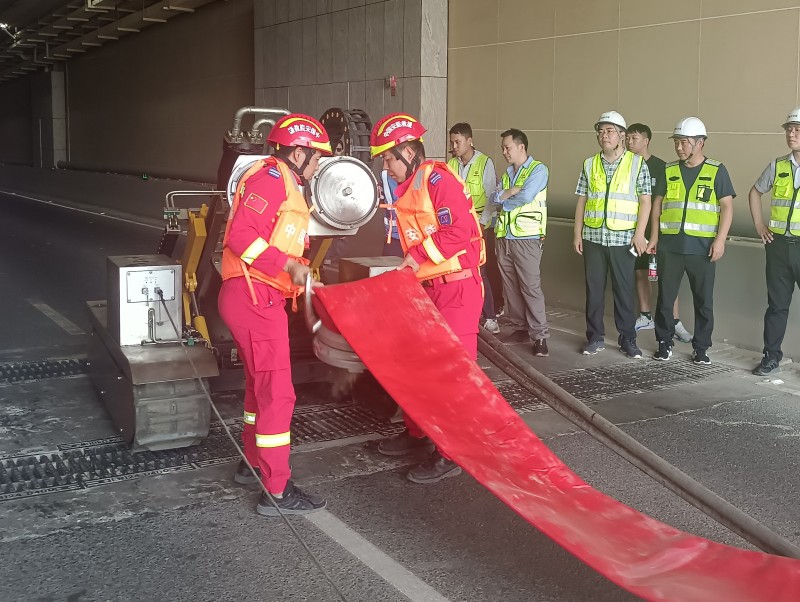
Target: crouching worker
(262, 266)
(441, 239)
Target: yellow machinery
(160, 335)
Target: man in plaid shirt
(610, 219)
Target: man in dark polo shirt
(638, 141)
(693, 223)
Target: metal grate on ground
(519, 398)
(600, 383)
(604, 382)
(25, 371)
(105, 461)
(317, 423)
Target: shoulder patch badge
(273, 171)
(256, 203)
(443, 217)
(435, 177)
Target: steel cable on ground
(239, 450)
(634, 452)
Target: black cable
(311, 554)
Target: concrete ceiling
(41, 33)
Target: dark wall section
(16, 123)
(160, 101)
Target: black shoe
(518, 336)
(664, 351)
(630, 349)
(699, 356)
(769, 365)
(404, 444)
(244, 476)
(540, 348)
(433, 470)
(294, 501)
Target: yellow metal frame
(196, 240)
(319, 257)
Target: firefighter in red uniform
(262, 266)
(441, 239)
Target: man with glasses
(610, 219)
(781, 240)
(693, 223)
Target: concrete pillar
(49, 118)
(324, 53)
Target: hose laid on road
(631, 450)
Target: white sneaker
(644, 323)
(492, 326)
(683, 335)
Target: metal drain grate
(604, 382)
(104, 461)
(519, 398)
(313, 424)
(16, 372)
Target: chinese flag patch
(256, 203)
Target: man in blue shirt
(520, 233)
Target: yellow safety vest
(784, 215)
(417, 220)
(474, 179)
(695, 210)
(526, 220)
(289, 231)
(615, 203)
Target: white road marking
(373, 557)
(56, 317)
(79, 210)
(567, 330)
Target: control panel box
(137, 284)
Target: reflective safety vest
(529, 219)
(696, 210)
(784, 215)
(417, 220)
(614, 203)
(288, 235)
(474, 179)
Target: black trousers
(701, 272)
(783, 273)
(598, 261)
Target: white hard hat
(689, 127)
(793, 117)
(613, 118)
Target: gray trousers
(522, 285)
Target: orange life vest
(288, 235)
(417, 220)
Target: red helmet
(393, 130)
(300, 130)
